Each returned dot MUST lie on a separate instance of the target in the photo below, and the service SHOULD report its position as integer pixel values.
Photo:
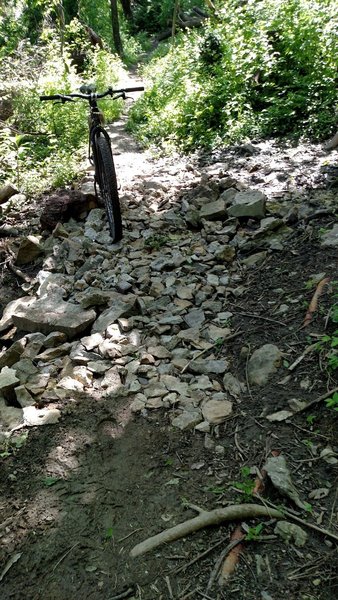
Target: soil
(78, 495)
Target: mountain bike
(100, 151)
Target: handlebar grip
(134, 89)
(54, 97)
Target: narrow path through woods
(155, 374)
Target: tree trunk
(116, 27)
(126, 6)
(173, 29)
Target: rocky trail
(172, 370)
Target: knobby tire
(106, 177)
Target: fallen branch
(226, 339)
(293, 517)
(298, 360)
(314, 302)
(227, 549)
(315, 401)
(18, 272)
(253, 316)
(205, 519)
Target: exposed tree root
(205, 519)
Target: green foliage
(11, 446)
(109, 533)
(259, 68)
(154, 15)
(156, 241)
(49, 481)
(254, 533)
(98, 16)
(246, 485)
(332, 402)
(42, 144)
(328, 344)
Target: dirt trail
(78, 495)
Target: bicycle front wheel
(106, 177)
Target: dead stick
(64, 555)
(290, 515)
(205, 519)
(251, 315)
(226, 339)
(220, 559)
(18, 272)
(315, 401)
(300, 358)
(199, 557)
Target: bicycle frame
(100, 152)
(95, 127)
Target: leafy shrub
(152, 15)
(259, 68)
(43, 144)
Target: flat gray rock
(214, 211)
(263, 363)
(8, 380)
(11, 308)
(216, 411)
(187, 420)
(330, 238)
(49, 314)
(29, 250)
(248, 204)
(121, 306)
(208, 366)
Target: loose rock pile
(144, 318)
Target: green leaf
(49, 481)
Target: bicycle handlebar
(109, 92)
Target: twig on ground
(247, 373)
(205, 519)
(226, 339)
(64, 556)
(18, 272)
(290, 515)
(200, 593)
(300, 358)
(229, 548)
(254, 316)
(130, 534)
(188, 595)
(314, 302)
(171, 595)
(333, 507)
(240, 450)
(199, 557)
(315, 401)
(126, 594)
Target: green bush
(258, 68)
(152, 15)
(42, 144)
